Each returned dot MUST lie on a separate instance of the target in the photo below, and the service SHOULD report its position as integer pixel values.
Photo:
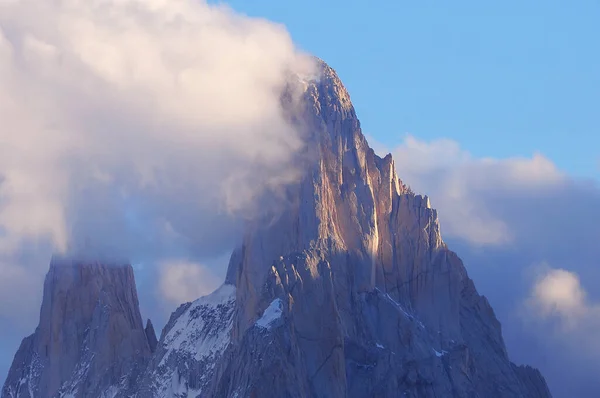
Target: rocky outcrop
(151, 335)
(533, 380)
(90, 340)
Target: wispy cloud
(182, 281)
(142, 129)
(464, 188)
(561, 305)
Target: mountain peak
(359, 262)
(88, 310)
(331, 83)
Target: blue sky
(503, 78)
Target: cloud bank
(183, 281)
(143, 129)
(126, 116)
(528, 235)
(562, 307)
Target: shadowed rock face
(348, 290)
(89, 337)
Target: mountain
(345, 289)
(90, 338)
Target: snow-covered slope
(190, 347)
(271, 314)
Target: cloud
(462, 186)
(504, 217)
(559, 292)
(142, 129)
(562, 314)
(561, 305)
(183, 281)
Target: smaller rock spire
(151, 335)
(89, 309)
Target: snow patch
(439, 354)
(110, 392)
(271, 314)
(397, 305)
(185, 333)
(196, 340)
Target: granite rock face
(344, 290)
(375, 304)
(90, 340)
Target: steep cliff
(90, 340)
(373, 302)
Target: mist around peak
(137, 131)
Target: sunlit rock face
(344, 288)
(374, 303)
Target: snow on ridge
(399, 306)
(193, 345)
(271, 314)
(186, 332)
(222, 295)
(110, 392)
(439, 354)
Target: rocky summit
(346, 289)
(90, 339)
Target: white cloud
(138, 128)
(558, 295)
(460, 185)
(563, 319)
(559, 292)
(183, 281)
